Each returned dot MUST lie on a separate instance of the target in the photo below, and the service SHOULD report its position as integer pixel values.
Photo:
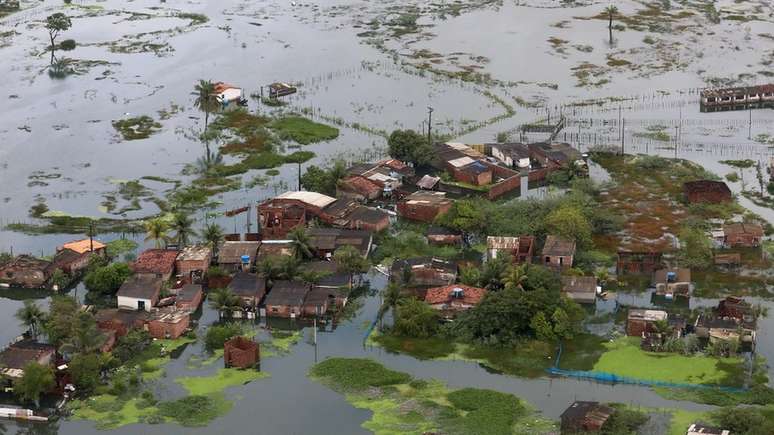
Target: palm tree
(205, 164)
(183, 227)
(603, 276)
(206, 100)
(349, 261)
(31, 316)
(392, 296)
(514, 277)
(610, 11)
(224, 301)
(156, 229)
(289, 268)
(300, 244)
(213, 234)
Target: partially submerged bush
(352, 374)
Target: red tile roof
(440, 295)
(361, 185)
(160, 261)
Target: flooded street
(58, 146)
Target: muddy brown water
(64, 127)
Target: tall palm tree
(206, 100)
(156, 230)
(300, 244)
(289, 268)
(269, 269)
(391, 297)
(212, 235)
(205, 164)
(183, 227)
(515, 276)
(31, 316)
(224, 301)
(610, 11)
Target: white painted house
(139, 293)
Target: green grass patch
(193, 411)
(281, 342)
(404, 405)
(742, 164)
(303, 130)
(625, 358)
(109, 412)
(139, 127)
(222, 379)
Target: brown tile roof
(445, 294)
(706, 186)
(232, 252)
(290, 293)
(360, 185)
(743, 228)
(161, 261)
(19, 354)
(141, 287)
(579, 284)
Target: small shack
(702, 429)
(581, 289)
(139, 292)
(423, 271)
(583, 417)
(241, 352)
(706, 191)
(230, 255)
(424, 206)
(286, 299)
(558, 252)
(673, 283)
(438, 235)
(744, 235)
(452, 299)
(280, 89)
(319, 300)
(73, 257)
(518, 249)
(168, 323)
(193, 262)
(249, 287)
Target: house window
(141, 305)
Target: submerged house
(286, 299)
(73, 257)
(558, 252)
(674, 283)
(640, 322)
(706, 191)
(745, 235)
(249, 287)
(159, 263)
(139, 292)
(17, 355)
(424, 206)
(518, 249)
(229, 95)
(733, 319)
(584, 417)
(168, 323)
(232, 253)
(736, 98)
(450, 300)
(26, 271)
(581, 289)
(646, 262)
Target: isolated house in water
(673, 283)
(706, 191)
(241, 352)
(26, 271)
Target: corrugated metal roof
(461, 161)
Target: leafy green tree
(540, 277)
(85, 369)
(37, 380)
(300, 244)
(492, 273)
(544, 331)
(182, 224)
(61, 316)
(415, 318)
(269, 268)
(470, 275)
(695, 248)
(5, 257)
(217, 335)
(85, 336)
(410, 146)
(205, 99)
(223, 300)
(563, 327)
(349, 261)
(107, 279)
(464, 216)
(213, 235)
(324, 180)
(55, 24)
(133, 343)
(391, 298)
(570, 223)
(611, 11)
(156, 230)
(31, 317)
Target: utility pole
(429, 125)
(299, 175)
(623, 134)
(749, 126)
(91, 236)
(315, 339)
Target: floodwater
(57, 143)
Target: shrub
(191, 410)
(67, 45)
(132, 344)
(107, 279)
(351, 374)
(217, 335)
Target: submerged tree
(350, 262)
(55, 24)
(36, 380)
(610, 11)
(206, 100)
(224, 301)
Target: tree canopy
(36, 380)
(415, 318)
(410, 146)
(324, 180)
(107, 279)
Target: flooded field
(485, 67)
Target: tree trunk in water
(610, 22)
